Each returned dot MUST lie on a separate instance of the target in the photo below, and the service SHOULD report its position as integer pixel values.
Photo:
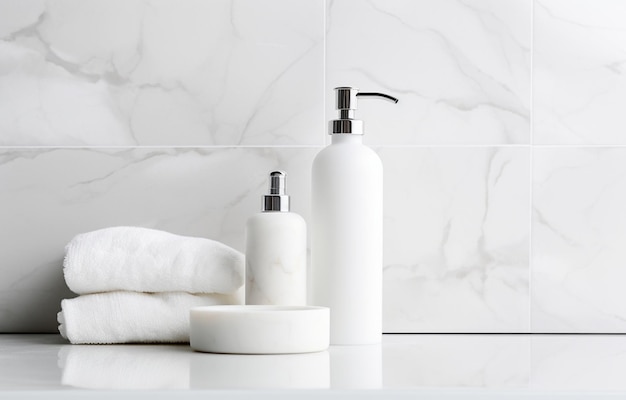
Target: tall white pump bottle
(347, 228)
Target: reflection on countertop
(429, 361)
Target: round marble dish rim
(212, 329)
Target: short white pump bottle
(347, 228)
(276, 251)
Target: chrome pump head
(346, 104)
(276, 200)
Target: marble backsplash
(505, 176)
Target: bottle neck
(346, 138)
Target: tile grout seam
(317, 146)
(321, 145)
(324, 67)
(531, 141)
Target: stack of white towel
(137, 284)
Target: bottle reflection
(236, 371)
(356, 367)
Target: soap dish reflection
(147, 367)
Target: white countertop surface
(431, 365)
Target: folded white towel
(133, 317)
(148, 260)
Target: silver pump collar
(346, 104)
(276, 199)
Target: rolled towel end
(148, 260)
(132, 317)
(61, 321)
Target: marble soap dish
(259, 329)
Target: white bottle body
(347, 239)
(276, 259)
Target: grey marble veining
(579, 231)
(579, 72)
(456, 240)
(460, 68)
(169, 114)
(50, 195)
(461, 246)
(136, 72)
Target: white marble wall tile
(460, 68)
(161, 72)
(455, 222)
(50, 195)
(133, 73)
(579, 232)
(579, 71)
(456, 239)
